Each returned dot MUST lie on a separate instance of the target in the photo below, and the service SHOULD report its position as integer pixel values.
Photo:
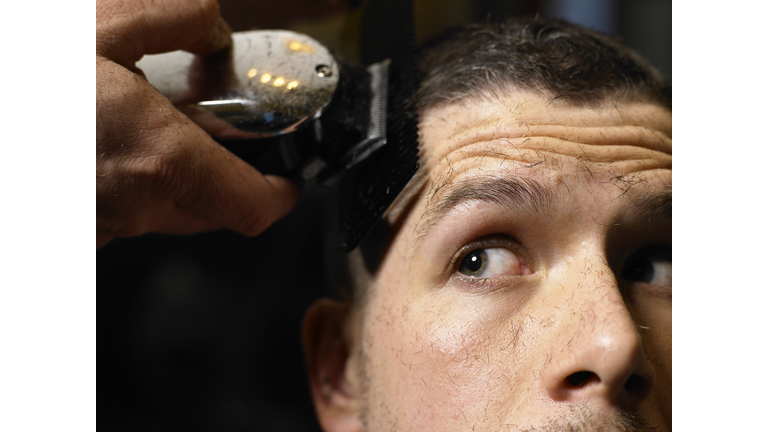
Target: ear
(332, 379)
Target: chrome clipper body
(281, 101)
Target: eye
(651, 265)
(490, 262)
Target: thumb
(129, 29)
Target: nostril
(578, 379)
(634, 384)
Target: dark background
(202, 333)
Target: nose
(598, 352)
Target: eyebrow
(526, 194)
(657, 203)
(520, 194)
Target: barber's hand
(157, 171)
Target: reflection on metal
(302, 73)
(294, 45)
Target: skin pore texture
(528, 286)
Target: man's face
(529, 285)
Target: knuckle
(179, 172)
(209, 11)
(212, 8)
(165, 172)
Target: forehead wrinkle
(613, 154)
(629, 137)
(501, 117)
(624, 159)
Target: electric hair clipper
(284, 104)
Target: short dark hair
(563, 61)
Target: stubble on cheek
(447, 366)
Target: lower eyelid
(487, 285)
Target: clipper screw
(323, 71)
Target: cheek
(449, 363)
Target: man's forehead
(528, 136)
(453, 127)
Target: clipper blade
(387, 33)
